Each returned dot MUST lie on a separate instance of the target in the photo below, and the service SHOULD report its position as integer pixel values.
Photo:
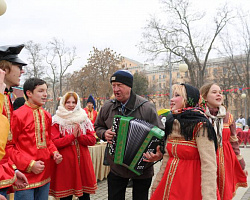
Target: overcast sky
(83, 23)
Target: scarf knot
(216, 117)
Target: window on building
(178, 75)
(153, 77)
(159, 85)
(215, 71)
(159, 76)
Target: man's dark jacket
(104, 121)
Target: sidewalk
(244, 193)
(241, 193)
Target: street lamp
(3, 7)
(243, 96)
(182, 68)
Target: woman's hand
(76, 130)
(57, 157)
(246, 172)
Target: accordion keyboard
(138, 131)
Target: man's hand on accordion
(151, 157)
(109, 135)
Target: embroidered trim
(14, 166)
(8, 182)
(91, 114)
(78, 151)
(32, 162)
(239, 185)
(34, 185)
(230, 119)
(78, 193)
(171, 173)
(7, 110)
(40, 137)
(191, 143)
(221, 169)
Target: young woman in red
(188, 169)
(72, 132)
(231, 171)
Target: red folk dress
(182, 177)
(230, 173)
(75, 174)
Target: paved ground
(241, 194)
(244, 193)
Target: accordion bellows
(133, 138)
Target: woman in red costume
(231, 165)
(72, 133)
(188, 169)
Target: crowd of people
(42, 155)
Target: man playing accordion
(126, 103)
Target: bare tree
(36, 67)
(236, 47)
(180, 36)
(100, 66)
(59, 58)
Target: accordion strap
(126, 115)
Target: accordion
(133, 138)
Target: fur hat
(122, 76)
(92, 100)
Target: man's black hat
(122, 76)
(10, 53)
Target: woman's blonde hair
(180, 89)
(70, 94)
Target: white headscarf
(67, 119)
